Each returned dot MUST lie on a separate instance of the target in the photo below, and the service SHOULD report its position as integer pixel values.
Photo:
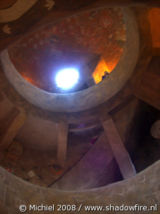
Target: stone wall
(143, 189)
(90, 97)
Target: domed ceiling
(91, 41)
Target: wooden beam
(120, 153)
(62, 139)
(127, 3)
(12, 128)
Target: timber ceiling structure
(98, 143)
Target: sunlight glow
(67, 78)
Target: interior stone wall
(5, 107)
(37, 133)
(143, 189)
(90, 97)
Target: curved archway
(87, 98)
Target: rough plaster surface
(76, 40)
(90, 97)
(37, 133)
(140, 189)
(5, 107)
(95, 168)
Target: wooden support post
(120, 153)
(12, 128)
(62, 139)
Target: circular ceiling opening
(31, 59)
(92, 41)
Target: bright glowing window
(67, 78)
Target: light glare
(67, 78)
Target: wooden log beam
(120, 153)
(12, 128)
(62, 138)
